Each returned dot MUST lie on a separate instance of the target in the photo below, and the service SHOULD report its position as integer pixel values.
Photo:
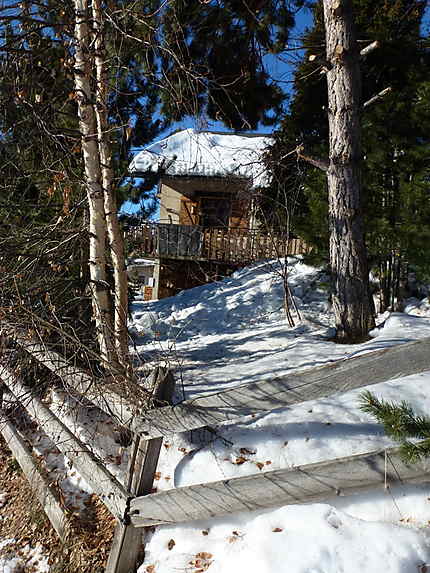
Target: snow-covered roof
(206, 154)
(140, 262)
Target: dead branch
(377, 97)
(315, 161)
(365, 51)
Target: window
(215, 211)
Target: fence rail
(288, 390)
(131, 500)
(43, 489)
(223, 244)
(302, 484)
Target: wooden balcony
(224, 244)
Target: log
(44, 491)
(96, 391)
(104, 484)
(312, 483)
(301, 386)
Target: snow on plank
(99, 392)
(104, 484)
(44, 491)
(322, 382)
(312, 483)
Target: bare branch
(315, 161)
(377, 97)
(373, 46)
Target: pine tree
(400, 423)
(214, 61)
(395, 140)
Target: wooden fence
(132, 502)
(223, 244)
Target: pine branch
(411, 452)
(315, 161)
(373, 46)
(400, 423)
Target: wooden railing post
(127, 546)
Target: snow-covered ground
(220, 335)
(29, 559)
(233, 332)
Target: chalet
(208, 191)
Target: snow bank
(234, 332)
(308, 539)
(29, 558)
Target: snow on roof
(141, 262)
(207, 154)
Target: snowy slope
(232, 332)
(223, 334)
(228, 333)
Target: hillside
(232, 332)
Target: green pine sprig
(400, 423)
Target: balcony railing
(224, 244)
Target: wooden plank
(98, 392)
(44, 491)
(303, 484)
(104, 484)
(294, 388)
(127, 547)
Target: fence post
(127, 545)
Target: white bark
(90, 152)
(115, 237)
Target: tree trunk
(115, 237)
(97, 223)
(352, 303)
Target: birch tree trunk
(352, 303)
(97, 223)
(115, 237)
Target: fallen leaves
(202, 561)
(246, 452)
(171, 544)
(234, 537)
(277, 529)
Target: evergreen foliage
(214, 61)
(400, 423)
(395, 135)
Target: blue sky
(280, 69)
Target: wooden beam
(314, 483)
(128, 543)
(310, 384)
(104, 484)
(99, 392)
(44, 491)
